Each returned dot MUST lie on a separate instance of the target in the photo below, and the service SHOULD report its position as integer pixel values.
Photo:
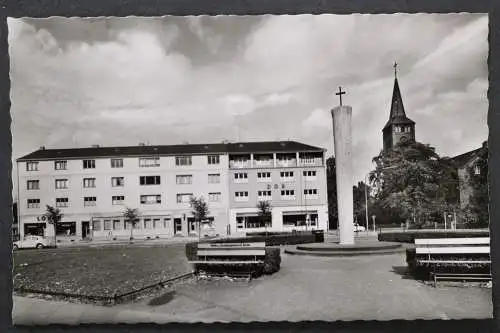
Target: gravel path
(309, 288)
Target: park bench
(246, 255)
(454, 252)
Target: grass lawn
(98, 271)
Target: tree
(331, 186)
(54, 216)
(132, 216)
(477, 207)
(359, 202)
(265, 213)
(200, 211)
(415, 181)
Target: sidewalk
(33, 311)
(95, 243)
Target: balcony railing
(263, 163)
(286, 163)
(239, 164)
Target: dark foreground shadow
(428, 326)
(403, 272)
(162, 299)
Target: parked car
(31, 242)
(358, 227)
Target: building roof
(462, 159)
(397, 115)
(184, 149)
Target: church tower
(399, 128)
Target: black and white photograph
(183, 169)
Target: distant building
(91, 186)
(463, 162)
(399, 128)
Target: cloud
(172, 79)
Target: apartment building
(93, 186)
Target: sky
(203, 79)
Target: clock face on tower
(403, 139)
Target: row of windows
(181, 198)
(120, 199)
(120, 181)
(156, 180)
(144, 162)
(118, 224)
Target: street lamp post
(366, 200)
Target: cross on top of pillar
(395, 69)
(340, 93)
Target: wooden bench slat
(454, 261)
(232, 245)
(453, 250)
(225, 262)
(464, 241)
(231, 253)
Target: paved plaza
(306, 288)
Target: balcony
(263, 163)
(239, 164)
(286, 163)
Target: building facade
(93, 186)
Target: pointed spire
(397, 108)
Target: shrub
(272, 261)
(409, 236)
(191, 249)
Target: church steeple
(399, 127)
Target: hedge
(409, 236)
(272, 262)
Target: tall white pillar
(342, 116)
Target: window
(286, 175)
(287, 194)
(148, 224)
(61, 184)
(166, 222)
(60, 165)
(156, 223)
(33, 203)
(184, 179)
(31, 166)
(108, 225)
(146, 162)
(33, 185)
(117, 163)
(241, 177)
(117, 225)
(264, 195)
(241, 196)
(149, 180)
(263, 176)
(183, 160)
(62, 202)
(88, 182)
(117, 199)
(96, 225)
(311, 193)
(184, 197)
(309, 174)
(150, 199)
(477, 170)
(214, 196)
(214, 178)
(117, 181)
(213, 159)
(89, 201)
(89, 164)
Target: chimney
(95, 146)
(42, 147)
(142, 144)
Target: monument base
(335, 249)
